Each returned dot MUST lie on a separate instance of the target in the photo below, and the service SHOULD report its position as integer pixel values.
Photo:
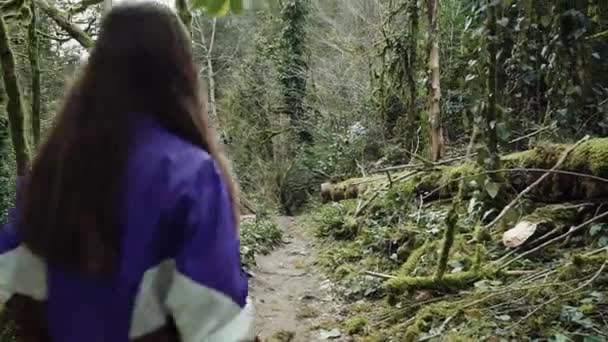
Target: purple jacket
(180, 260)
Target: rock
(519, 234)
(330, 335)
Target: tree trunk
(490, 119)
(411, 75)
(294, 67)
(35, 69)
(434, 89)
(210, 70)
(15, 108)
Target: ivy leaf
(545, 20)
(596, 55)
(492, 189)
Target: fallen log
(521, 169)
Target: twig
(390, 180)
(363, 173)
(556, 239)
(519, 196)
(530, 135)
(585, 284)
(379, 275)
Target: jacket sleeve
(208, 293)
(21, 272)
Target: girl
(126, 228)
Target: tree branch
(83, 6)
(61, 19)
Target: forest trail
(292, 297)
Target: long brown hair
(142, 63)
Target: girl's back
(126, 228)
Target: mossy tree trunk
(413, 117)
(293, 65)
(35, 70)
(15, 106)
(434, 88)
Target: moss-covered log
(348, 189)
(448, 283)
(590, 158)
(15, 107)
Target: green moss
(449, 283)
(355, 325)
(258, 236)
(425, 317)
(410, 264)
(590, 157)
(448, 241)
(568, 272)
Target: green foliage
(331, 220)
(258, 236)
(218, 7)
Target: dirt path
(292, 297)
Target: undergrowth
(258, 236)
(384, 261)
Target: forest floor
(293, 299)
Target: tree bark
(490, 120)
(15, 108)
(434, 88)
(35, 69)
(61, 19)
(411, 79)
(210, 69)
